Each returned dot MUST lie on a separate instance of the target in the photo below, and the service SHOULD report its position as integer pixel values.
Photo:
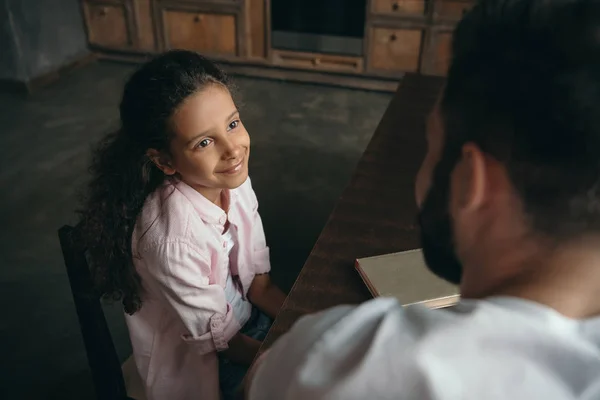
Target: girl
(173, 230)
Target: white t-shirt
(242, 309)
(499, 348)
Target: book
(405, 276)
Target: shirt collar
(208, 211)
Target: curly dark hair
(122, 174)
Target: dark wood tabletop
(376, 213)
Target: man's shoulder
(339, 340)
(352, 324)
(383, 350)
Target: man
(509, 198)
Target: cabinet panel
(145, 25)
(257, 28)
(398, 7)
(395, 50)
(107, 24)
(203, 32)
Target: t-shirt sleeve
(287, 370)
(275, 372)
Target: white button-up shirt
(182, 258)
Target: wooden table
(376, 213)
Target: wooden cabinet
(409, 36)
(394, 50)
(400, 36)
(108, 23)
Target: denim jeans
(232, 374)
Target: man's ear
(161, 161)
(473, 182)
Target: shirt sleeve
(276, 371)
(181, 274)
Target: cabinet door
(204, 32)
(107, 24)
(394, 50)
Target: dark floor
(306, 141)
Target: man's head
(513, 166)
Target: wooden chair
(111, 380)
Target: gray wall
(38, 36)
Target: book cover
(405, 276)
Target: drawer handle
(198, 18)
(316, 61)
(395, 6)
(393, 37)
(103, 11)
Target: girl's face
(211, 147)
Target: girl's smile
(234, 169)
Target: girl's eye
(233, 124)
(204, 143)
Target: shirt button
(222, 220)
(224, 245)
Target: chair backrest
(102, 356)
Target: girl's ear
(161, 161)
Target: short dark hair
(524, 85)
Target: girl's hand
(265, 295)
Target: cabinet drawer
(451, 9)
(198, 31)
(322, 62)
(398, 7)
(107, 24)
(395, 50)
(438, 55)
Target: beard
(437, 238)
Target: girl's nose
(231, 149)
